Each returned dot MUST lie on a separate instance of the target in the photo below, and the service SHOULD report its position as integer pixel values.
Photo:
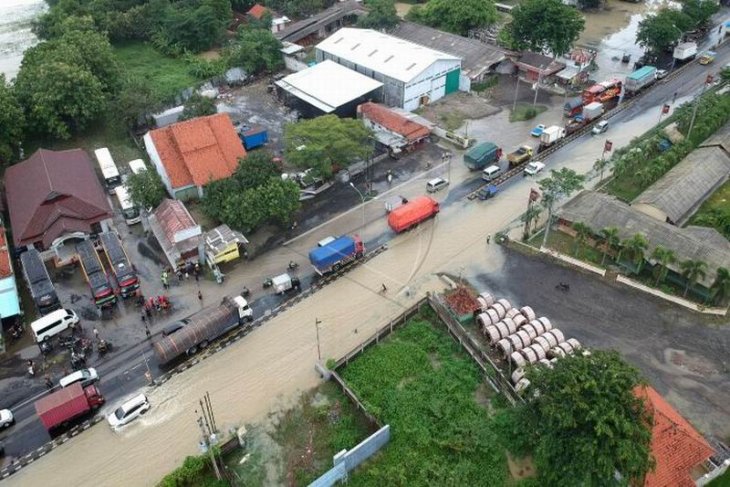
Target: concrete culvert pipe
(574, 343)
(530, 330)
(487, 297)
(511, 313)
(545, 363)
(522, 386)
(505, 304)
(517, 375)
(503, 330)
(528, 313)
(525, 337)
(499, 309)
(550, 339)
(516, 342)
(539, 351)
(483, 305)
(517, 359)
(546, 323)
(520, 321)
(493, 316)
(504, 347)
(510, 325)
(566, 347)
(538, 326)
(559, 337)
(483, 321)
(544, 343)
(530, 355)
(556, 352)
(492, 334)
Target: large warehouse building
(412, 75)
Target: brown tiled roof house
(190, 154)
(52, 194)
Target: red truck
(67, 404)
(412, 213)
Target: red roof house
(190, 154)
(257, 11)
(176, 231)
(52, 194)
(677, 447)
(394, 122)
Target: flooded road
(274, 363)
(15, 34)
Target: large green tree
(194, 26)
(133, 102)
(458, 17)
(545, 26)
(146, 189)
(659, 32)
(12, 122)
(381, 15)
(720, 289)
(582, 422)
(198, 106)
(555, 187)
(326, 142)
(255, 50)
(700, 11)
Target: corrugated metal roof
(391, 56)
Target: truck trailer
(203, 327)
(640, 79)
(337, 253)
(120, 265)
(482, 155)
(61, 407)
(39, 282)
(685, 51)
(551, 135)
(412, 213)
(94, 274)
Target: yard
(431, 394)
(715, 212)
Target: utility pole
(316, 327)
(708, 80)
(206, 423)
(517, 88)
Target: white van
(52, 324)
(491, 172)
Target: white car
(661, 73)
(436, 184)
(129, 411)
(6, 418)
(534, 168)
(85, 376)
(600, 127)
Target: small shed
(179, 236)
(168, 117)
(222, 245)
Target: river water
(15, 34)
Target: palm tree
(721, 287)
(610, 240)
(636, 245)
(581, 235)
(530, 218)
(664, 257)
(692, 270)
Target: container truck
(253, 137)
(39, 282)
(685, 51)
(551, 135)
(640, 79)
(120, 265)
(94, 274)
(482, 155)
(61, 407)
(337, 253)
(573, 107)
(203, 327)
(412, 213)
(522, 154)
(592, 111)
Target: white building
(412, 75)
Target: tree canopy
(581, 421)
(545, 26)
(458, 17)
(198, 106)
(255, 50)
(659, 32)
(700, 11)
(381, 15)
(146, 189)
(12, 123)
(326, 142)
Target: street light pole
(363, 203)
(316, 327)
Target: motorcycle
(46, 347)
(16, 332)
(103, 347)
(78, 360)
(268, 283)
(293, 265)
(245, 292)
(69, 342)
(563, 287)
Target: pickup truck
(522, 154)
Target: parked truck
(336, 253)
(283, 283)
(253, 137)
(592, 111)
(522, 154)
(94, 274)
(120, 265)
(573, 107)
(685, 51)
(39, 282)
(482, 155)
(640, 79)
(203, 327)
(551, 135)
(63, 406)
(412, 213)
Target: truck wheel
(192, 350)
(336, 267)
(359, 255)
(203, 344)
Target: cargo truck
(39, 282)
(336, 253)
(482, 155)
(203, 327)
(94, 274)
(685, 51)
(592, 111)
(120, 265)
(65, 405)
(640, 79)
(522, 154)
(412, 213)
(573, 107)
(551, 135)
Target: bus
(137, 166)
(109, 170)
(129, 210)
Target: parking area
(683, 355)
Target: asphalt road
(123, 373)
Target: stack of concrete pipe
(485, 300)
(568, 347)
(533, 352)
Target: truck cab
(245, 313)
(522, 154)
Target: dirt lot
(451, 112)
(681, 354)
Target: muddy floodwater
(15, 34)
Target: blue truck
(253, 137)
(332, 254)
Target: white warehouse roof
(391, 56)
(328, 85)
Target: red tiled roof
(198, 151)
(6, 270)
(676, 446)
(257, 11)
(52, 193)
(393, 121)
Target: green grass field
(167, 76)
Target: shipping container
(67, 404)
(412, 213)
(640, 79)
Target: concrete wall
(157, 162)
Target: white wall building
(412, 75)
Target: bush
(194, 472)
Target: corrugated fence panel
(338, 472)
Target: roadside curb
(215, 347)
